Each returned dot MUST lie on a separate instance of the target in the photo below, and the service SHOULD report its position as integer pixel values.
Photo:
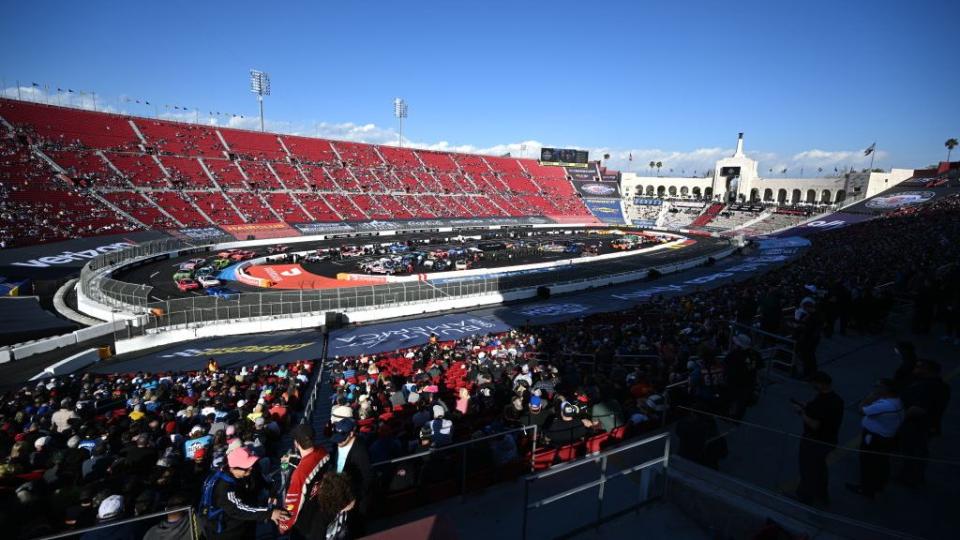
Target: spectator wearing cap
(566, 427)
(111, 510)
(537, 414)
(441, 428)
(237, 500)
(350, 458)
(307, 473)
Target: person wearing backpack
(228, 509)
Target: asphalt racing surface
(388, 336)
(196, 307)
(160, 275)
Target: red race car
(187, 285)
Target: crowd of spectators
(91, 449)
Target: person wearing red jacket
(303, 481)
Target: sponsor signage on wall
(417, 224)
(598, 189)
(606, 210)
(584, 175)
(647, 201)
(62, 258)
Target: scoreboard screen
(564, 156)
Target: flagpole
(872, 155)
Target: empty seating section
(437, 161)
(178, 207)
(345, 180)
(359, 155)
(252, 207)
(216, 207)
(309, 150)
(226, 173)
(236, 176)
(367, 180)
(181, 139)
(140, 208)
(410, 183)
(489, 208)
(259, 176)
(282, 203)
(318, 207)
(87, 168)
(401, 158)
(519, 184)
(254, 145)
(394, 209)
(141, 170)
(504, 165)
(290, 176)
(390, 181)
(415, 207)
(370, 207)
(186, 173)
(59, 126)
(319, 180)
(472, 165)
(707, 216)
(343, 206)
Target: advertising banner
(598, 189)
(647, 201)
(261, 230)
(583, 175)
(58, 259)
(606, 210)
(826, 223)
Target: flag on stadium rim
(870, 150)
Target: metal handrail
(79, 532)
(599, 482)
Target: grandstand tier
(164, 174)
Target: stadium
(231, 329)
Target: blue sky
(811, 83)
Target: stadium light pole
(400, 111)
(260, 85)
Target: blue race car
(222, 292)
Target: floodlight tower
(260, 85)
(400, 111)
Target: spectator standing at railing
(350, 458)
(807, 335)
(821, 425)
(883, 415)
(297, 499)
(741, 366)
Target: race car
(220, 264)
(351, 251)
(208, 281)
(318, 257)
(242, 255)
(279, 248)
(182, 274)
(187, 285)
(204, 271)
(222, 292)
(461, 264)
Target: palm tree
(950, 144)
(659, 164)
(652, 165)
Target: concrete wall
(70, 364)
